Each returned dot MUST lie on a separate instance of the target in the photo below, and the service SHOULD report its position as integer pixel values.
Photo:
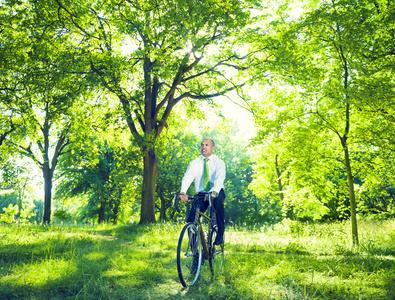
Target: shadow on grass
(89, 264)
(139, 262)
(303, 275)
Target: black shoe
(219, 239)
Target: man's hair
(210, 141)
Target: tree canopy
(108, 91)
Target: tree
(178, 50)
(39, 87)
(343, 30)
(326, 57)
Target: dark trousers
(218, 203)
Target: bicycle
(193, 247)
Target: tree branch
(122, 97)
(208, 96)
(29, 153)
(72, 19)
(4, 135)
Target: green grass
(287, 261)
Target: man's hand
(213, 195)
(184, 197)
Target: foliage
(175, 150)
(171, 52)
(40, 86)
(16, 180)
(321, 122)
(8, 198)
(9, 214)
(62, 215)
(242, 206)
(103, 177)
(27, 213)
(12, 212)
(96, 86)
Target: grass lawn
(288, 261)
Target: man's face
(207, 148)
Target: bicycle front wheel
(216, 258)
(189, 255)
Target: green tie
(206, 176)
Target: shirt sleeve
(189, 176)
(220, 175)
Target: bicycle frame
(190, 256)
(201, 231)
(197, 222)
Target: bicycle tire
(216, 257)
(189, 248)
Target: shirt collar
(211, 157)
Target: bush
(9, 213)
(62, 215)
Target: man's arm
(220, 176)
(189, 176)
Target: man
(209, 173)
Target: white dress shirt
(195, 170)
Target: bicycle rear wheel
(189, 255)
(216, 258)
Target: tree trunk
(350, 179)
(102, 211)
(280, 185)
(288, 209)
(151, 172)
(115, 212)
(117, 203)
(162, 216)
(19, 206)
(48, 174)
(21, 194)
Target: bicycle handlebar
(176, 200)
